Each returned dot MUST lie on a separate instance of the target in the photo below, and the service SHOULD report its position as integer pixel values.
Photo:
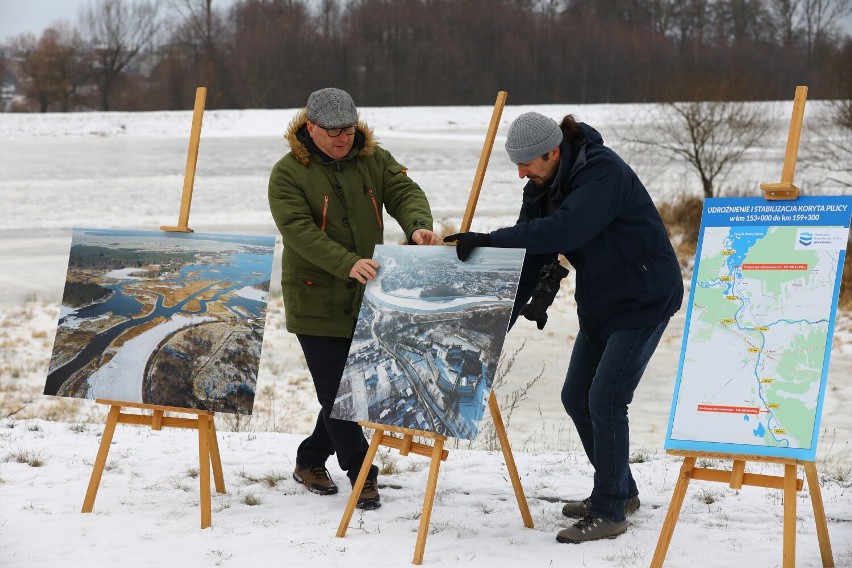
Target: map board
(165, 318)
(428, 338)
(759, 325)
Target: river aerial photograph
(428, 339)
(163, 318)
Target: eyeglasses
(335, 132)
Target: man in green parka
(328, 196)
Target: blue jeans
(601, 379)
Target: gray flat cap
(331, 108)
(532, 135)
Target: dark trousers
(601, 380)
(326, 358)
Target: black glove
(466, 242)
(544, 292)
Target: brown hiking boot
(316, 479)
(579, 509)
(369, 498)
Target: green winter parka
(330, 214)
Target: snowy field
(125, 171)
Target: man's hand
(364, 269)
(466, 242)
(424, 237)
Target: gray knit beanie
(331, 108)
(532, 135)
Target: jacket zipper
(375, 208)
(324, 211)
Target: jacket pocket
(311, 294)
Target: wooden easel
(737, 477)
(208, 445)
(406, 444)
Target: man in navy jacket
(584, 202)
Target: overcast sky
(19, 16)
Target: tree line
(152, 54)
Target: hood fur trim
(303, 154)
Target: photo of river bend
(162, 318)
(428, 339)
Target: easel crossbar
(752, 479)
(154, 407)
(146, 420)
(414, 447)
(400, 430)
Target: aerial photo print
(160, 318)
(428, 339)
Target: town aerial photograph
(428, 339)
(162, 318)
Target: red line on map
(729, 409)
(756, 266)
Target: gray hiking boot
(591, 528)
(369, 498)
(316, 479)
(579, 509)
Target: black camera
(544, 293)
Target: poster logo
(821, 238)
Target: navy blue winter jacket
(598, 214)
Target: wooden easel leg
(674, 512)
(510, 460)
(819, 515)
(359, 483)
(789, 516)
(428, 501)
(215, 459)
(204, 470)
(100, 460)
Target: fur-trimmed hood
(302, 153)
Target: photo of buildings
(170, 319)
(428, 339)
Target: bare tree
(741, 20)
(117, 30)
(709, 136)
(200, 40)
(834, 154)
(838, 146)
(329, 15)
(53, 67)
(785, 15)
(820, 19)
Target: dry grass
(30, 457)
(682, 218)
(251, 500)
(270, 478)
(845, 301)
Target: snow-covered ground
(147, 511)
(122, 170)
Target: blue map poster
(759, 324)
(428, 338)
